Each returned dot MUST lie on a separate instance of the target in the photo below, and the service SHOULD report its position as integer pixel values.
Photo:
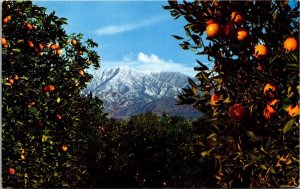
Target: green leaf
(288, 125)
(177, 37)
(16, 50)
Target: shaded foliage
(255, 143)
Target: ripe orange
(58, 117)
(64, 147)
(5, 20)
(269, 111)
(80, 52)
(260, 51)
(56, 46)
(236, 112)
(11, 81)
(28, 26)
(214, 99)
(81, 72)
(30, 44)
(4, 42)
(269, 90)
(290, 44)
(237, 18)
(58, 51)
(51, 88)
(212, 30)
(293, 110)
(53, 47)
(11, 171)
(242, 34)
(16, 77)
(74, 42)
(41, 46)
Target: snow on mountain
(126, 91)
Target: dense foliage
(251, 93)
(43, 111)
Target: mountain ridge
(127, 92)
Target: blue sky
(129, 33)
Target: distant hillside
(128, 92)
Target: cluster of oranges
(11, 80)
(48, 88)
(269, 111)
(213, 29)
(236, 112)
(290, 44)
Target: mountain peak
(124, 87)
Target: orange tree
(251, 93)
(42, 78)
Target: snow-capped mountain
(127, 91)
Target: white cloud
(114, 29)
(150, 63)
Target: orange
(215, 98)
(269, 111)
(58, 51)
(237, 18)
(290, 44)
(212, 30)
(30, 44)
(28, 26)
(16, 77)
(269, 90)
(74, 42)
(88, 62)
(58, 117)
(81, 72)
(41, 46)
(236, 112)
(260, 51)
(56, 46)
(4, 42)
(5, 20)
(293, 110)
(53, 47)
(11, 171)
(51, 88)
(80, 52)
(215, 3)
(64, 147)
(242, 34)
(11, 81)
